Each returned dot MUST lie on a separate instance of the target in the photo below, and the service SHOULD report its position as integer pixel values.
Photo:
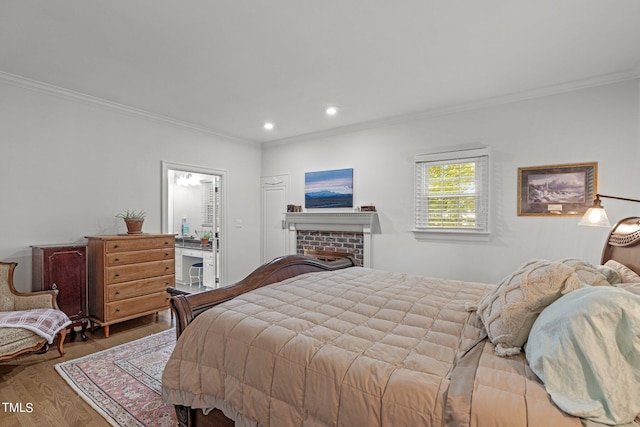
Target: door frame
(273, 182)
(164, 211)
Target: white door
(209, 269)
(178, 274)
(275, 237)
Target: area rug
(123, 383)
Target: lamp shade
(595, 217)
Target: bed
(301, 342)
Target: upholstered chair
(17, 340)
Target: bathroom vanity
(189, 252)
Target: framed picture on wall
(328, 189)
(557, 190)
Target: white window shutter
(452, 191)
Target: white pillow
(627, 275)
(508, 311)
(585, 347)
(634, 288)
(590, 274)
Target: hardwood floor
(32, 378)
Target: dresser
(128, 276)
(63, 267)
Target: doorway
(275, 236)
(193, 209)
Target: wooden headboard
(623, 243)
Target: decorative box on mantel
(353, 222)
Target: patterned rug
(123, 383)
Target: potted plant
(133, 219)
(204, 239)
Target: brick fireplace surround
(337, 241)
(332, 231)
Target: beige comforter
(354, 347)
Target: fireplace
(334, 241)
(332, 231)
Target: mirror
(192, 209)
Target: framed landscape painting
(328, 189)
(557, 190)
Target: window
(452, 191)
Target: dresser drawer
(196, 253)
(137, 288)
(133, 244)
(135, 306)
(128, 272)
(121, 258)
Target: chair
(195, 272)
(17, 340)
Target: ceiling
(227, 66)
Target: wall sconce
(596, 216)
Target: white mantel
(353, 222)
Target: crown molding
(68, 94)
(35, 85)
(475, 105)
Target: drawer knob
(116, 246)
(117, 310)
(117, 275)
(117, 259)
(117, 292)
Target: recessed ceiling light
(268, 125)
(331, 110)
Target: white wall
(68, 166)
(636, 177)
(596, 124)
